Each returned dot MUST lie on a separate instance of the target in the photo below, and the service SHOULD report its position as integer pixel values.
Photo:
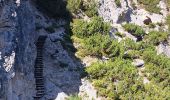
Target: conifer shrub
(74, 97)
(156, 37)
(83, 29)
(101, 45)
(118, 3)
(151, 5)
(74, 5)
(157, 66)
(112, 77)
(168, 21)
(134, 29)
(90, 8)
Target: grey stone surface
(163, 49)
(17, 50)
(138, 62)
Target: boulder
(163, 49)
(147, 21)
(138, 62)
(61, 96)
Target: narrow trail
(38, 72)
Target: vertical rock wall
(17, 50)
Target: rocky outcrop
(22, 25)
(61, 71)
(88, 92)
(163, 49)
(126, 13)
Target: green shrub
(74, 5)
(168, 21)
(118, 3)
(83, 29)
(120, 34)
(133, 54)
(133, 5)
(104, 76)
(155, 37)
(151, 5)
(160, 23)
(74, 97)
(152, 25)
(134, 29)
(97, 25)
(90, 8)
(79, 28)
(100, 45)
(118, 79)
(129, 44)
(157, 66)
(168, 3)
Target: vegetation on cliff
(117, 78)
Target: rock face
(17, 50)
(88, 92)
(20, 26)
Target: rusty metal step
(39, 93)
(40, 85)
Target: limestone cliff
(17, 33)
(21, 23)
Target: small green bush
(100, 45)
(106, 74)
(157, 66)
(134, 29)
(133, 54)
(168, 3)
(83, 29)
(133, 5)
(74, 5)
(79, 28)
(152, 25)
(155, 37)
(151, 5)
(168, 21)
(120, 34)
(90, 8)
(74, 97)
(118, 3)
(118, 79)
